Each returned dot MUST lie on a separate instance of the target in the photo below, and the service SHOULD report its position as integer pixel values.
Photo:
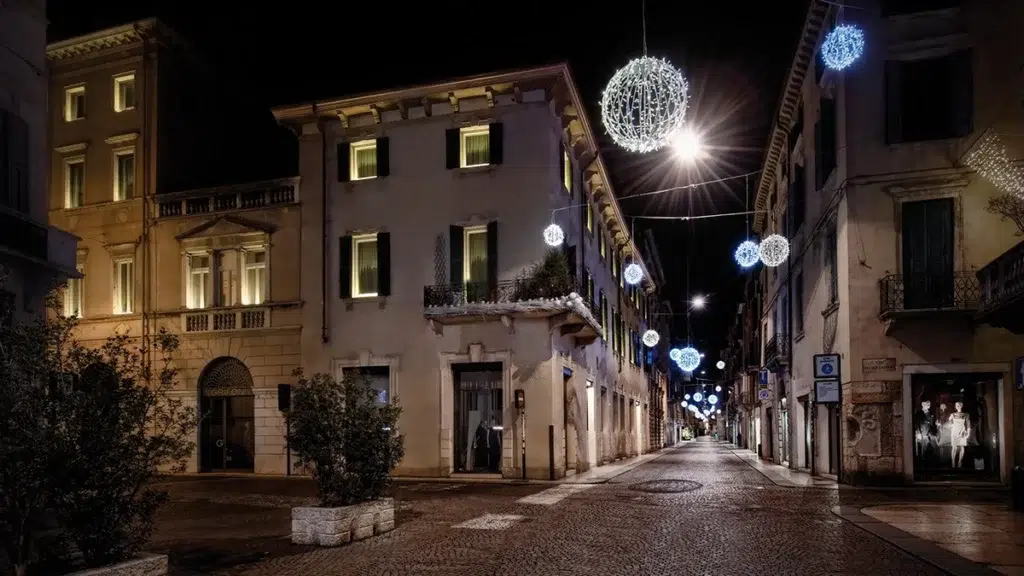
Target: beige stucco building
(34, 257)
(424, 209)
(870, 174)
(214, 265)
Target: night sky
(734, 54)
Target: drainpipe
(324, 332)
(147, 194)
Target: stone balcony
(249, 196)
(225, 319)
(1002, 291)
(925, 298)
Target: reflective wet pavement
(694, 509)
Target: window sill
(832, 307)
(381, 301)
(486, 169)
(70, 120)
(100, 205)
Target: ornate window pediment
(225, 231)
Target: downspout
(324, 331)
(146, 200)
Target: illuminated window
(124, 175)
(364, 266)
(74, 182)
(363, 160)
(124, 286)
(198, 281)
(73, 296)
(124, 92)
(590, 217)
(254, 276)
(475, 254)
(474, 146)
(74, 103)
(566, 171)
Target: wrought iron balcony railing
(922, 292)
(776, 351)
(505, 292)
(1002, 279)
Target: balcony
(952, 296)
(229, 198)
(776, 351)
(1002, 291)
(225, 319)
(471, 302)
(48, 246)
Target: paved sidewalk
(780, 475)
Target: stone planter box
(337, 526)
(142, 565)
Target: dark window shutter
(893, 101)
(492, 255)
(343, 162)
(497, 135)
(345, 266)
(384, 263)
(17, 163)
(383, 157)
(451, 149)
(963, 93)
(455, 248)
(928, 254)
(828, 135)
(819, 159)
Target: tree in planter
(83, 433)
(1008, 207)
(549, 278)
(345, 436)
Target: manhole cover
(666, 486)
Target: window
(797, 198)
(198, 281)
(74, 103)
(124, 175)
(73, 296)
(590, 218)
(798, 304)
(475, 146)
(475, 256)
(74, 182)
(254, 276)
(363, 160)
(928, 254)
(602, 245)
(832, 254)
(615, 268)
(124, 92)
(566, 171)
(929, 99)
(124, 286)
(364, 269)
(379, 377)
(590, 287)
(825, 142)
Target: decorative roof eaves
(789, 102)
(117, 37)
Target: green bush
(549, 278)
(345, 436)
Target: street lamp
(687, 146)
(698, 302)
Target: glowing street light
(687, 146)
(698, 302)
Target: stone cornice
(72, 148)
(122, 138)
(111, 38)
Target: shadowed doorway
(227, 434)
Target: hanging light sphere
(644, 104)
(687, 396)
(774, 250)
(718, 388)
(842, 47)
(747, 254)
(675, 354)
(651, 338)
(683, 404)
(712, 399)
(697, 397)
(689, 359)
(718, 411)
(553, 235)
(721, 366)
(633, 274)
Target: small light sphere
(842, 47)
(644, 104)
(633, 274)
(689, 359)
(721, 366)
(651, 338)
(687, 396)
(553, 235)
(699, 301)
(719, 411)
(707, 412)
(675, 354)
(683, 404)
(698, 397)
(774, 250)
(718, 388)
(712, 399)
(747, 254)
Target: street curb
(917, 547)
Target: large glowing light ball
(712, 399)
(633, 274)
(698, 397)
(553, 235)
(747, 254)
(842, 47)
(721, 366)
(675, 354)
(644, 104)
(774, 250)
(651, 338)
(689, 359)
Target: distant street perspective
(698, 508)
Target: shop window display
(956, 426)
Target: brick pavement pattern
(728, 519)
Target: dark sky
(735, 55)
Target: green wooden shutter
(343, 162)
(345, 266)
(451, 148)
(455, 251)
(384, 263)
(383, 157)
(492, 255)
(496, 131)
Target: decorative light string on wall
(990, 158)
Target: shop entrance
(478, 417)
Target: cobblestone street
(697, 509)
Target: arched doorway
(227, 432)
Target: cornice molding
(72, 148)
(123, 138)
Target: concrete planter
(142, 565)
(337, 526)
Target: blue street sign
(762, 377)
(1018, 372)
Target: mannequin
(959, 432)
(925, 434)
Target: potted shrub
(346, 436)
(85, 431)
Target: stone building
(426, 208)
(880, 176)
(34, 257)
(136, 116)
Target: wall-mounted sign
(872, 365)
(826, 391)
(762, 377)
(764, 394)
(826, 365)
